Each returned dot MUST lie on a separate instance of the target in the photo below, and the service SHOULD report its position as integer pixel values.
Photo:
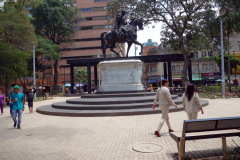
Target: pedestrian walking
(164, 97)
(30, 95)
(191, 102)
(2, 102)
(18, 106)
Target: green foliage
(48, 49)
(57, 21)
(13, 63)
(16, 29)
(20, 5)
(80, 75)
(182, 22)
(54, 92)
(233, 61)
(16, 39)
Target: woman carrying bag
(191, 102)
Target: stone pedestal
(120, 75)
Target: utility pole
(222, 63)
(34, 75)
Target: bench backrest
(211, 124)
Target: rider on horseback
(120, 28)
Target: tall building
(87, 43)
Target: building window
(211, 66)
(107, 17)
(108, 26)
(196, 55)
(85, 9)
(204, 54)
(195, 67)
(75, 4)
(153, 69)
(86, 27)
(88, 18)
(204, 67)
(210, 54)
(173, 68)
(177, 68)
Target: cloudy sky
(148, 33)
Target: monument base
(120, 75)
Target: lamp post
(34, 75)
(222, 63)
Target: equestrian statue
(121, 33)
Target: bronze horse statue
(110, 39)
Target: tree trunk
(55, 75)
(185, 68)
(229, 79)
(42, 81)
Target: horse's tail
(103, 42)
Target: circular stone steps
(119, 100)
(142, 94)
(114, 104)
(49, 110)
(64, 105)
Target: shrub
(54, 92)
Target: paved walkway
(54, 137)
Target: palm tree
(230, 16)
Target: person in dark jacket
(30, 95)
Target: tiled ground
(54, 137)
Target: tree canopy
(16, 39)
(57, 21)
(13, 63)
(80, 75)
(16, 29)
(233, 61)
(182, 22)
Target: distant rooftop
(149, 43)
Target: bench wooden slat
(205, 135)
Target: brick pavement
(104, 138)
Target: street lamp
(222, 63)
(34, 75)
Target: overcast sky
(144, 35)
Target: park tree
(21, 5)
(46, 49)
(57, 21)
(80, 75)
(13, 64)
(17, 33)
(181, 21)
(230, 16)
(233, 61)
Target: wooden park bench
(205, 129)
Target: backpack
(30, 95)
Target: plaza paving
(55, 137)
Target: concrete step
(141, 94)
(64, 105)
(119, 100)
(49, 110)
